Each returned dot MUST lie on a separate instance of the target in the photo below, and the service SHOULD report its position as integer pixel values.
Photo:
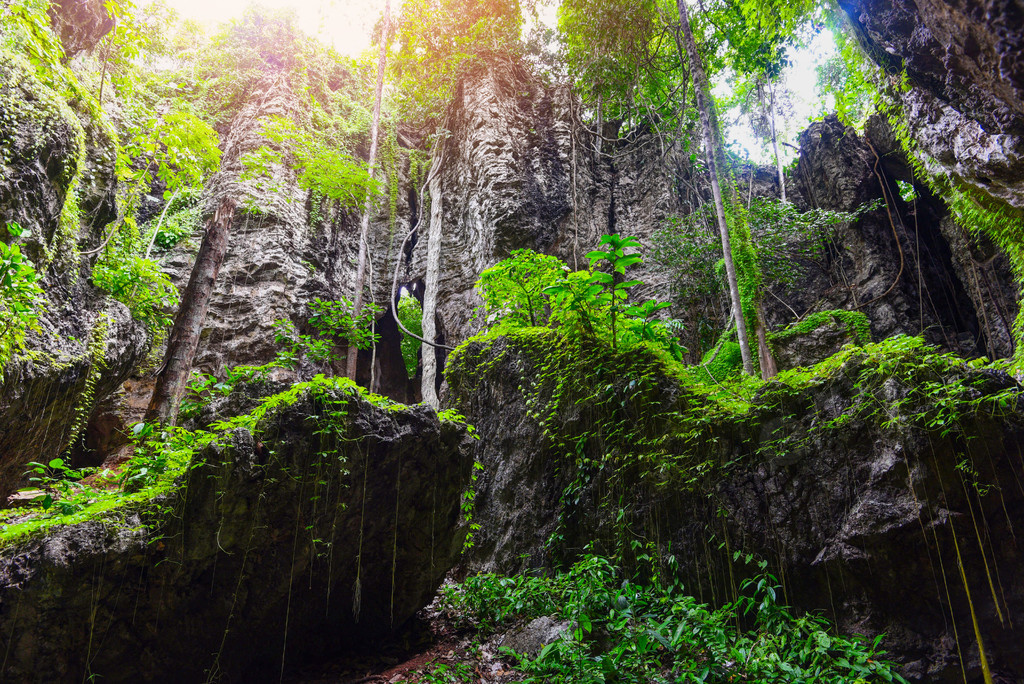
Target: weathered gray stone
(251, 562)
(964, 60)
(856, 520)
(534, 635)
(80, 23)
(44, 147)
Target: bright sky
(800, 80)
(346, 25)
(343, 24)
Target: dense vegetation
(154, 101)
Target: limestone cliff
(865, 488)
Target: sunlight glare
(345, 25)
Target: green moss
(855, 322)
(160, 461)
(722, 361)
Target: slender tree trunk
(766, 360)
(700, 87)
(775, 142)
(364, 228)
(188, 322)
(160, 222)
(430, 284)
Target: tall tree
(712, 142)
(439, 41)
(188, 322)
(773, 121)
(364, 229)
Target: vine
(96, 353)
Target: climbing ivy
(21, 298)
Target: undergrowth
(620, 628)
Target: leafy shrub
(139, 284)
(626, 630)
(593, 303)
(512, 289)
(333, 325)
(410, 313)
(21, 298)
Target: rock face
(80, 23)
(521, 171)
(905, 264)
(328, 528)
(964, 59)
(862, 490)
(87, 344)
(816, 339)
(276, 263)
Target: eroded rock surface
(80, 23)
(862, 490)
(327, 527)
(86, 344)
(964, 60)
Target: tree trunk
(700, 87)
(430, 284)
(775, 142)
(364, 228)
(188, 322)
(769, 368)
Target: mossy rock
(818, 337)
(42, 146)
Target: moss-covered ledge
(324, 516)
(890, 460)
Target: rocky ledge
(865, 483)
(322, 519)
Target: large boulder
(865, 484)
(965, 107)
(86, 344)
(81, 24)
(322, 522)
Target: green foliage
(25, 28)
(439, 41)
(410, 313)
(321, 166)
(204, 387)
(723, 360)
(512, 289)
(21, 298)
(443, 673)
(139, 284)
(626, 629)
(784, 239)
(622, 57)
(59, 485)
(178, 149)
(850, 78)
(183, 219)
(333, 327)
(594, 303)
